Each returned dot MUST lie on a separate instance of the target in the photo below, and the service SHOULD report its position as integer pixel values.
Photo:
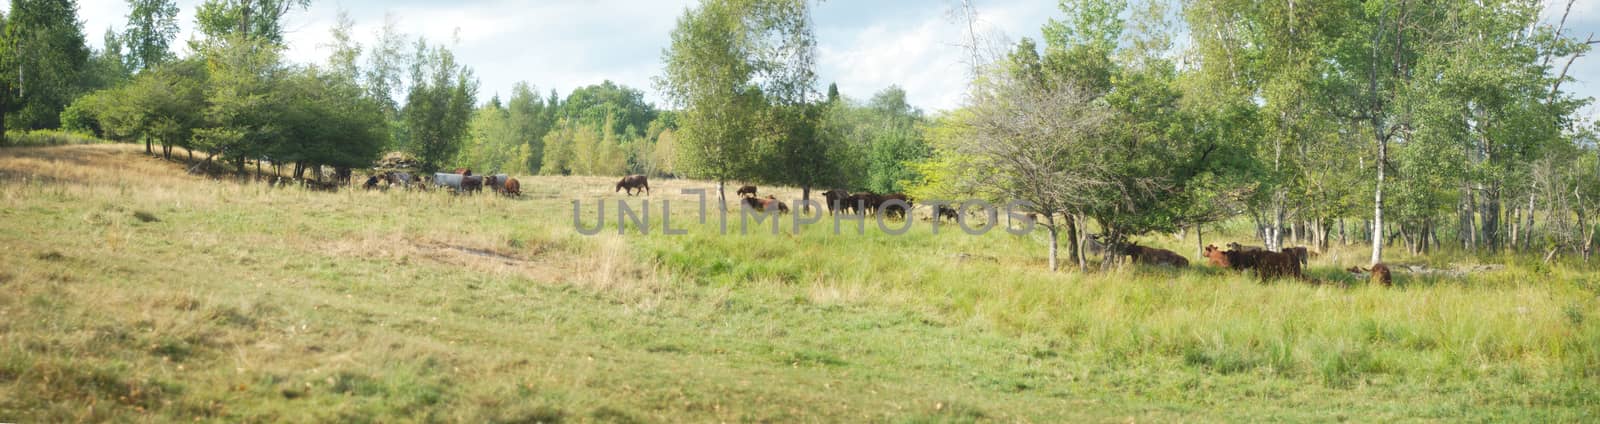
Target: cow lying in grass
(1380, 274)
(1267, 265)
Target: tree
(241, 114)
(728, 59)
(152, 25)
(530, 120)
(44, 54)
(1020, 142)
(438, 106)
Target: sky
(863, 45)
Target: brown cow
(744, 190)
(1299, 252)
(1240, 261)
(465, 172)
(1154, 256)
(511, 187)
(946, 211)
(863, 203)
(1273, 265)
(471, 183)
(633, 182)
(761, 205)
(1216, 257)
(1380, 274)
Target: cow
(495, 181)
(511, 187)
(746, 190)
(1273, 265)
(1380, 273)
(761, 205)
(465, 172)
(633, 182)
(863, 203)
(946, 211)
(1299, 252)
(1235, 246)
(1241, 260)
(894, 210)
(1216, 257)
(372, 182)
(1154, 256)
(836, 199)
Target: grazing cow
(1154, 256)
(746, 190)
(894, 210)
(1235, 246)
(372, 182)
(1241, 260)
(511, 187)
(471, 183)
(1216, 257)
(495, 181)
(1299, 252)
(836, 199)
(633, 182)
(946, 211)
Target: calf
(946, 211)
(1274, 265)
(746, 190)
(1216, 257)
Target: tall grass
(39, 138)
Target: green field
(130, 291)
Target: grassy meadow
(131, 291)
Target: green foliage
(257, 19)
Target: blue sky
(863, 45)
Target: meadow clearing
(131, 291)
